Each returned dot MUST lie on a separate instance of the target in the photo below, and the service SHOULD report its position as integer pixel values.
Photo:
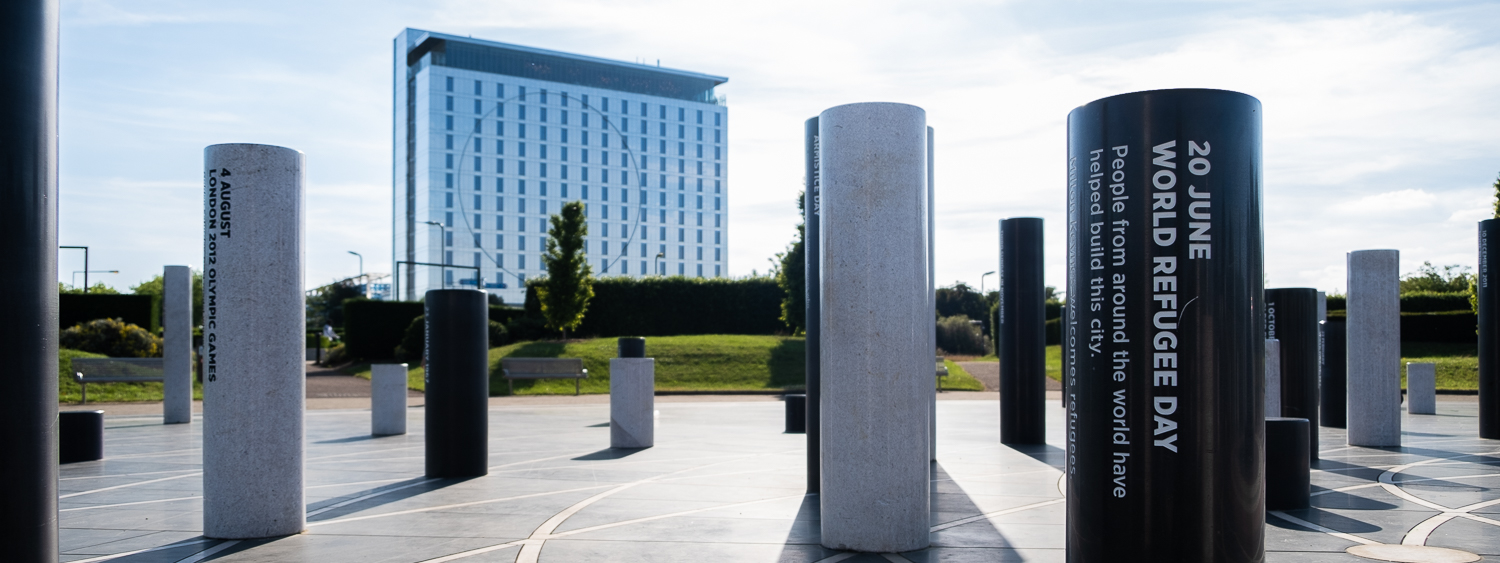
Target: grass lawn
(1457, 364)
(1054, 361)
(68, 391)
(683, 363)
(959, 380)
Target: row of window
(521, 262)
(625, 157)
(623, 267)
(624, 231)
(604, 173)
(520, 205)
(450, 124)
(564, 99)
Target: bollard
(1421, 388)
(632, 396)
(876, 377)
(1273, 378)
(1288, 465)
(387, 399)
(1374, 349)
(796, 413)
(177, 345)
(458, 383)
(1165, 354)
(80, 436)
(1021, 325)
(254, 318)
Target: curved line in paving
(1418, 534)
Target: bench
(115, 370)
(942, 371)
(543, 368)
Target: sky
(1382, 119)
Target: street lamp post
(442, 243)
(85, 265)
(981, 282)
(656, 264)
(365, 282)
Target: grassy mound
(683, 363)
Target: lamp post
(85, 250)
(981, 282)
(363, 281)
(656, 264)
(86, 277)
(442, 243)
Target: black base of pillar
(458, 384)
(796, 414)
(1288, 472)
(81, 436)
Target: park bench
(115, 370)
(942, 371)
(543, 368)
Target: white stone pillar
(177, 345)
(632, 402)
(1374, 350)
(1421, 388)
(877, 369)
(254, 321)
(387, 399)
(1273, 378)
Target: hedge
(1418, 302)
(1449, 326)
(373, 329)
(669, 306)
(139, 310)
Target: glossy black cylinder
(1292, 318)
(1022, 337)
(796, 413)
(80, 436)
(632, 347)
(1335, 397)
(812, 252)
(458, 385)
(1165, 349)
(1288, 464)
(1489, 331)
(28, 250)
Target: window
(450, 83)
(448, 122)
(662, 164)
(544, 137)
(477, 181)
(521, 205)
(643, 267)
(543, 167)
(448, 275)
(520, 111)
(449, 143)
(716, 220)
(521, 259)
(565, 139)
(565, 191)
(478, 145)
(499, 204)
(700, 184)
(643, 109)
(662, 115)
(717, 154)
(499, 243)
(624, 108)
(543, 112)
(448, 241)
(604, 104)
(681, 131)
(449, 103)
(681, 200)
(499, 90)
(717, 170)
(700, 151)
(500, 224)
(564, 97)
(680, 267)
(663, 144)
(716, 140)
(500, 182)
(521, 147)
(448, 180)
(500, 169)
(717, 259)
(544, 188)
(700, 133)
(663, 129)
(585, 191)
(681, 148)
(478, 126)
(717, 119)
(700, 257)
(700, 168)
(477, 107)
(662, 235)
(624, 195)
(543, 205)
(681, 234)
(499, 109)
(477, 167)
(521, 245)
(700, 202)
(604, 209)
(521, 167)
(716, 204)
(700, 117)
(448, 160)
(681, 166)
(643, 254)
(680, 217)
(624, 125)
(448, 200)
(680, 252)
(716, 186)
(477, 243)
(544, 101)
(700, 266)
(700, 240)
(700, 223)
(499, 131)
(663, 217)
(564, 169)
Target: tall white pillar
(1421, 388)
(876, 363)
(1374, 349)
(387, 399)
(931, 296)
(1273, 378)
(177, 345)
(254, 321)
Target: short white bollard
(1421, 388)
(1374, 349)
(254, 333)
(177, 345)
(632, 402)
(1273, 378)
(388, 399)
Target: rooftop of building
(521, 61)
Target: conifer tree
(569, 286)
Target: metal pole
(981, 282)
(28, 248)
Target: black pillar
(811, 250)
(458, 383)
(631, 347)
(1335, 373)
(1022, 326)
(28, 250)
(1292, 318)
(1166, 428)
(1288, 465)
(1489, 332)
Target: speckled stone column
(876, 363)
(1374, 348)
(177, 345)
(1273, 378)
(388, 399)
(1421, 388)
(632, 402)
(254, 321)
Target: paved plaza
(723, 484)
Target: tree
(325, 306)
(791, 275)
(157, 287)
(569, 286)
(1497, 196)
(97, 289)
(1453, 278)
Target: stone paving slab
(722, 484)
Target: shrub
(112, 337)
(414, 343)
(335, 356)
(956, 335)
(677, 305)
(497, 334)
(373, 329)
(140, 310)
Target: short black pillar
(1021, 324)
(1292, 319)
(1334, 402)
(81, 436)
(1288, 479)
(458, 385)
(632, 347)
(796, 414)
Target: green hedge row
(1418, 302)
(670, 306)
(373, 329)
(1449, 326)
(140, 310)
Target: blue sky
(1382, 125)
